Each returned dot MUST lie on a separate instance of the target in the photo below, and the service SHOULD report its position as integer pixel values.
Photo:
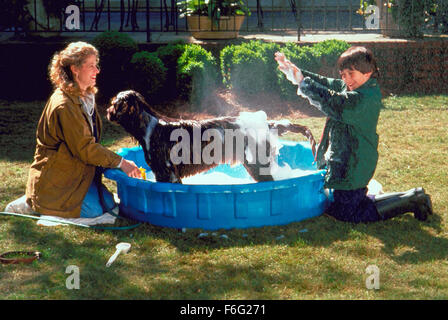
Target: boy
(348, 147)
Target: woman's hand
(291, 71)
(130, 169)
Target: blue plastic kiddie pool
(213, 207)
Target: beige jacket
(65, 158)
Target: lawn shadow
(196, 277)
(211, 278)
(61, 248)
(398, 233)
(408, 241)
(18, 124)
(321, 231)
(9, 194)
(194, 239)
(218, 280)
(125, 279)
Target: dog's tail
(283, 127)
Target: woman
(68, 158)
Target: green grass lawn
(328, 261)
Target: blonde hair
(59, 69)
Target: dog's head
(126, 108)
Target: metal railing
(148, 16)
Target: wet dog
(204, 144)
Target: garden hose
(72, 223)
(119, 217)
(14, 257)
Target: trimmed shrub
(197, 73)
(320, 58)
(225, 58)
(240, 73)
(115, 50)
(330, 51)
(147, 75)
(169, 55)
(304, 57)
(267, 51)
(250, 67)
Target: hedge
(250, 67)
(405, 67)
(147, 75)
(197, 73)
(115, 50)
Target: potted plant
(213, 19)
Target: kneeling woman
(63, 178)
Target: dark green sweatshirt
(349, 141)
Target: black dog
(155, 132)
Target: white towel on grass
(21, 207)
(56, 221)
(106, 218)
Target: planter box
(201, 27)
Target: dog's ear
(121, 107)
(137, 103)
(132, 103)
(132, 108)
(129, 108)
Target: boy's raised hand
(291, 71)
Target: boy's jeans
(353, 206)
